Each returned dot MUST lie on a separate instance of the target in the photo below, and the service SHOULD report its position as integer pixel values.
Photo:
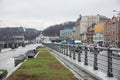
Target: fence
(104, 59)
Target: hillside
(55, 29)
(7, 33)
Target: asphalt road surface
(7, 56)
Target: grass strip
(43, 67)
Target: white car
(117, 54)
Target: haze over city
(40, 14)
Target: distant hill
(55, 29)
(7, 33)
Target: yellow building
(98, 28)
(98, 33)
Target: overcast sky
(40, 14)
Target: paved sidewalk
(97, 75)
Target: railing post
(74, 52)
(86, 56)
(64, 50)
(110, 71)
(95, 58)
(67, 47)
(57, 48)
(70, 51)
(79, 53)
(61, 49)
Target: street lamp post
(73, 34)
(117, 12)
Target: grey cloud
(45, 10)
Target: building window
(113, 32)
(113, 22)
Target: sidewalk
(87, 69)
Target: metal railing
(105, 59)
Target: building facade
(98, 33)
(112, 31)
(98, 37)
(77, 28)
(89, 34)
(87, 21)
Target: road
(7, 56)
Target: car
(116, 53)
(77, 44)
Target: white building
(67, 33)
